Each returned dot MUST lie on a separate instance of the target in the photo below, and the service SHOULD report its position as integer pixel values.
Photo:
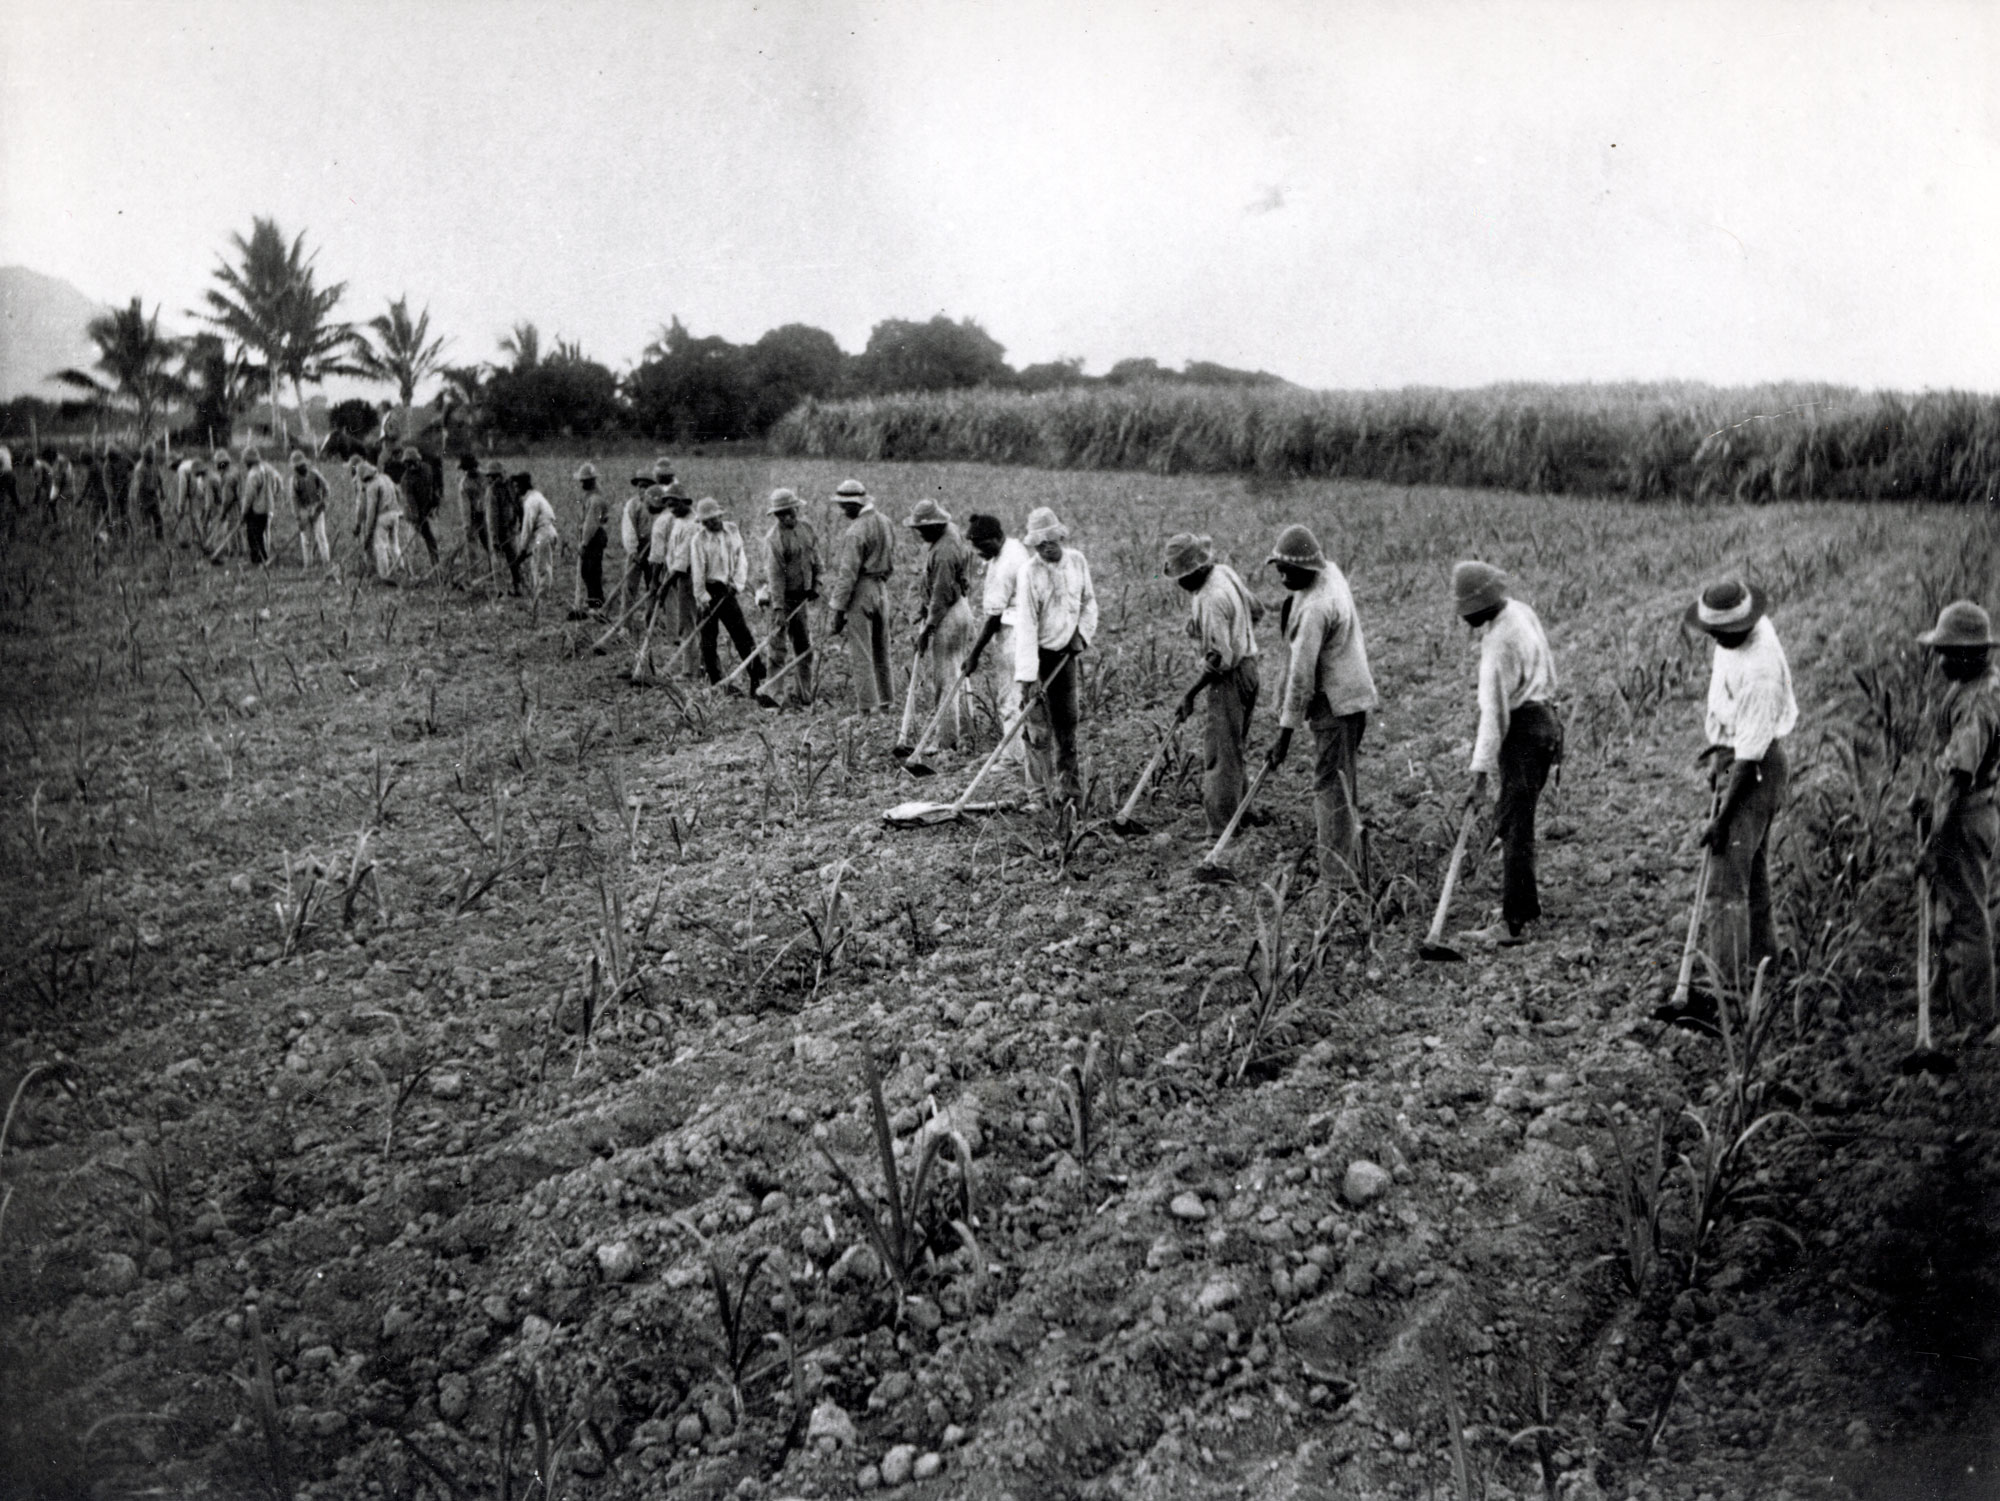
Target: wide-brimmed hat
(1186, 553)
(1043, 527)
(222, 456)
(850, 490)
(1728, 607)
(672, 491)
(1960, 623)
(495, 469)
(783, 500)
(708, 508)
(585, 470)
(1297, 547)
(251, 455)
(663, 471)
(928, 513)
(298, 456)
(1477, 586)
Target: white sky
(1349, 194)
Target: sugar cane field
(438, 1065)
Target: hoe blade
(1441, 953)
(1131, 828)
(1213, 874)
(1928, 1061)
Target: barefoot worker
(946, 629)
(1750, 711)
(1222, 619)
(1005, 557)
(1055, 609)
(1957, 854)
(791, 582)
(1327, 686)
(718, 573)
(1519, 735)
(862, 565)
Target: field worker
(262, 485)
(945, 634)
(503, 521)
(536, 537)
(1750, 711)
(1004, 557)
(419, 496)
(862, 565)
(93, 494)
(594, 537)
(1055, 612)
(1957, 854)
(62, 483)
(309, 501)
(472, 497)
(1222, 620)
(635, 527)
(225, 509)
(379, 521)
(186, 487)
(719, 572)
(148, 492)
(791, 582)
(10, 485)
(118, 468)
(1519, 736)
(668, 558)
(1327, 686)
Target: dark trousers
(1051, 729)
(799, 639)
(1964, 886)
(423, 524)
(1336, 800)
(1739, 887)
(1532, 746)
(254, 528)
(1231, 702)
(868, 630)
(592, 566)
(726, 614)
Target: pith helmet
(1960, 623)
(1477, 586)
(1298, 547)
(708, 508)
(1731, 605)
(928, 513)
(1043, 527)
(783, 500)
(1186, 553)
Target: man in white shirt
(1055, 615)
(535, 542)
(718, 573)
(1519, 735)
(1005, 557)
(1750, 711)
(667, 560)
(379, 518)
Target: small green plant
(1277, 969)
(1081, 1084)
(731, 1283)
(297, 903)
(157, 1176)
(1641, 1200)
(261, 1387)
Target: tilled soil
(526, 1131)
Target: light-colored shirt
(1222, 616)
(1003, 579)
(867, 551)
(596, 513)
(538, 521)
(1053, 603)
(309, 492)
(791, 562)
(1750, 701)
(380, 501)
(1516, 667)
(716, 557)
(1328, 674)
(670, 541)
(1969, 727)
(261, 487)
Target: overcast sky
(1348, 194)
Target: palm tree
(219, 382)
(271, 305)
(137, 359)
(524, 345)
(403, 353)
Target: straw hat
(222, 456)
(585, 471)
(1729, 606)
(708, 508)
(670, 491)
(494, 470)
(783, 500)
(663, 471)
(1043, 527)
(851, 492)
(1477, 586)
(299, 457)
(1960, 623)
(1186, 553)
(1299, 548)
(928, 513)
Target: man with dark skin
(791, 582)
(1222, 618)
(946, 614)
(1005, 557)
(420, 497)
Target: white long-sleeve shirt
(717, 557)
(1516, 667)
(1003, 578)
(669, 547)
(538, 521)
(1053, 602)
(1750, 700)
(1328, 671)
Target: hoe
(1211, 869)
(1433, 945)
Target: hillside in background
(41, 331)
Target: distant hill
(41, 331)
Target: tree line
(271, 328)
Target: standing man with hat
(262, 485)
(635, 528)
(1750, 711)
(594, 537)
(1327, 686)
(945, 631)
(472, 496)
(148, 493)
(420, 496)
(1519, 736)
(1055, 609)
(791, 582)
(1222, 619)
(1957, 852)
(861, 572)
(379, 521)
(309, 501)
(503, 520)
(536, 540)
(667, 555)
(1005, 558)
(719, 572)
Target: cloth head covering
(1187, 552)
(298, 456)
(1477, 586)
(980, 527)
(851, 491)
(1298, 547)
(1960, 623)
(1729, 606)
(708, 508)
(928, 513)
(1043, 527)
(585, 470)
(783, 500)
